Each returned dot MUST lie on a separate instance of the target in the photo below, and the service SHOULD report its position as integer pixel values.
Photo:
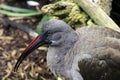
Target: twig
(7, 75)
(9, 71)
(6, 38)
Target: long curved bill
(38, 41)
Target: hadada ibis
(90, 53)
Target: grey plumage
(90, 53)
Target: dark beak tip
(15, 69)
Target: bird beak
(38, 41)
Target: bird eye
(57, 36)
(56, 39)
(53, 37)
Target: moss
(69, 12)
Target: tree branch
(97, 14)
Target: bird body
(90, 53)
(97, 53)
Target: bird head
(53, 34)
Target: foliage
(17, 12)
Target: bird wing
(99, 53)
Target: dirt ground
(12, 43)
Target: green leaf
(43, 20)
(14, 9)
(19, 14)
